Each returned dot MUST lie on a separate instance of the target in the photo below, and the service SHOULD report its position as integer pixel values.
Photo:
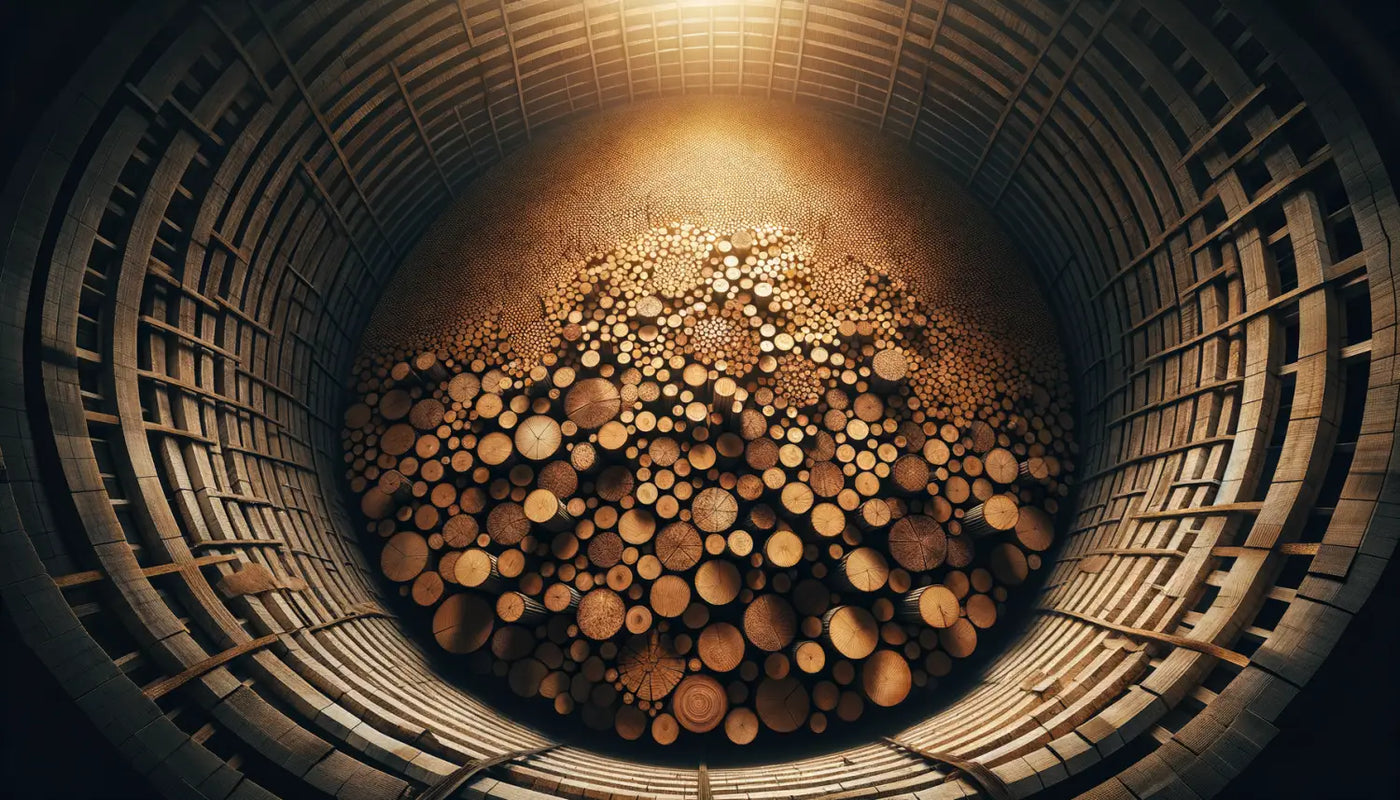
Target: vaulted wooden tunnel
(198, 232)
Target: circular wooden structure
(194, 267)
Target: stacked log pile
(714, 489)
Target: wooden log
(783, 549)
(828, 520)
(958, 639)
(649, 667)
(809, 657)
(543, 508)
(886, 679)
(699, 703)
(679, 546)
(538, 437)
(518, 607)
(600, 614)
(476, 569)
(851, 631)
(782, 704)
(863, 569)
(1035, 530)
(463, 623)
(427, 589)
(721, 646)
(665, 729)
(638, 619)
(1034, 468)
(592, 403)
(981, 610)
(605, 550)
(714, 510)
(741, 725)
(460, 531)
(997, 515)
(507, 524)
(918, 543)
(630, 723)
(404, 556)
(1000, 466)
(873, 514)
(910, 474)
(1008, 564)
(669, 596)
(561, 598)
(770, 622)
(718, 582)
(935, 605)
(495, 449)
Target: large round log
(462, 624)
(770, 623)
(592, 402)
(918, 543)
(699, 703)
(782, 704)
(886, 678)
(851, 631)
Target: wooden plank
(166, 685)
(93, 575)
(453, 782)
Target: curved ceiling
(197, 232)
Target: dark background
(1340, 738)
